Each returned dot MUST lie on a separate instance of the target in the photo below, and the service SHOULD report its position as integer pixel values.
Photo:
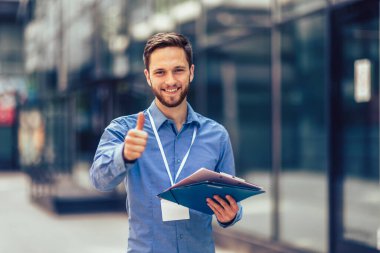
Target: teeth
(172, 90)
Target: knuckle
(129, 139)
(141, 133)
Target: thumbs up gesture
(135, 141)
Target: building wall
(11, 83)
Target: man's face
(169, 75)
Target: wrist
(126, 160)
(226, 223)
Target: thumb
(140, 121)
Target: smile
(171, 90)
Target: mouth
(172, 90)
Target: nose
(170, 80)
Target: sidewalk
(25, 227)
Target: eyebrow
(162, 69)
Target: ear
(146, 73)
(191, 73)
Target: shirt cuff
(238, 216)
(120, 164)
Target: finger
(222, 202)
(228, 212)
(130, 155)
(138, 133)
(135, 140)
(218, 207)
(233, 203)
(135, 148)
(216, 212)
(140, 121)
(221, 217)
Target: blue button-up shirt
(147, 177)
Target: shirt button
(178, 161)
(181, 236)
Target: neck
(178, 114)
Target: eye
(179, 70)
(159, 73)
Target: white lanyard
(163, 153)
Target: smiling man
(154, 149)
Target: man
(160, 146)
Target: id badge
(172, 211)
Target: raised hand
(135, 141)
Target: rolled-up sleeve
(109, 168)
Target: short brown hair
(162, 40)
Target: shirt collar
(159, 118)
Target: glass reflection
(299, 7)
(239, 73)
(303, 183)
(360, 134)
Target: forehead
(168, 57)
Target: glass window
(303, 182)
(360, 130)
(239, 74)
(299, 7)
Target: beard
(172, 101)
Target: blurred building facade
(295, 82)
(12, 81)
